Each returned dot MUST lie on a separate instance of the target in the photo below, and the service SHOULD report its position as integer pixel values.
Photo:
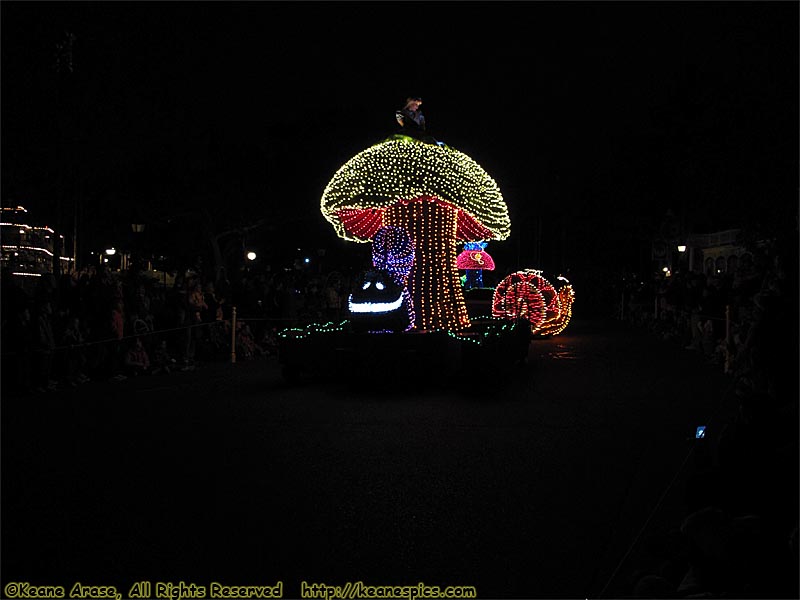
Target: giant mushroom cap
(402, 169)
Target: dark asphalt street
(536, 489)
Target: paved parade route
(535, 487)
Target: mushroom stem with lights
(439, 196)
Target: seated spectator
(654, 586)
(73, 339)
(136, 360)
(162, 361)
(269, 342)
(731, 557)
(246, 346)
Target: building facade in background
(27, 250)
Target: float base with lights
(416, 202)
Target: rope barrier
(236, 319)
(712, 419)
(119, 339)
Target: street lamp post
(683, 258)
(138, 230)
(107, 254)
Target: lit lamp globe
(251, 255)
(111, 251)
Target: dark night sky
(596, 117)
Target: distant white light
(681, 248)
(665, 269)
(306, 260)
(111, 251)
(251, 255)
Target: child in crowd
(74, 338)
(137, 362)
(162, 361)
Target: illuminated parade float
(439, 196)
(528, 295)
(417, 203)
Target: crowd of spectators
(734, 319)
(738, 534)
(99, 324)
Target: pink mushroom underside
(363, 223)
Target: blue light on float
(393, 250)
